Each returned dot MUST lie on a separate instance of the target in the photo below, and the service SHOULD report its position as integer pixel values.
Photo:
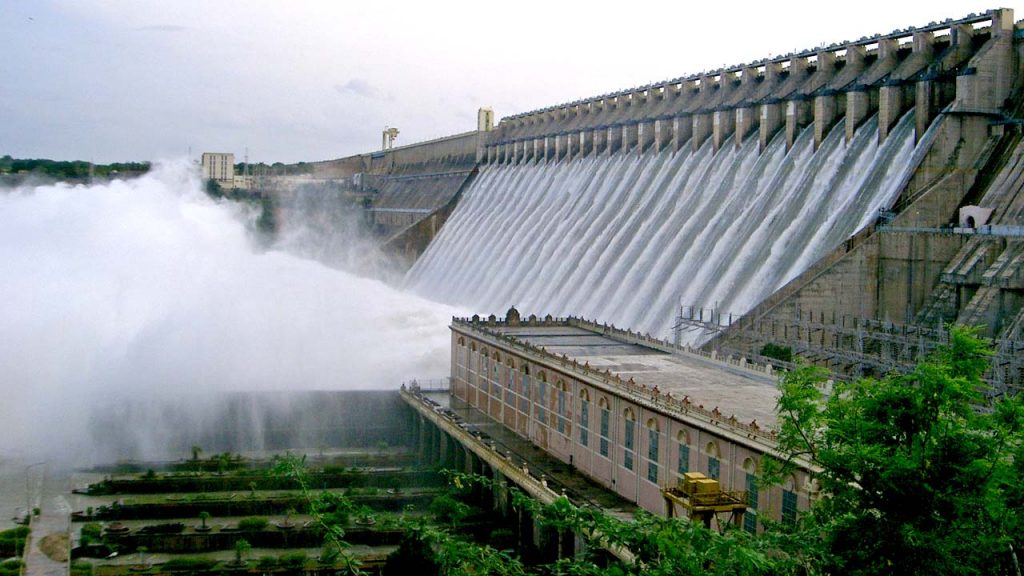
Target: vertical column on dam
(682, 125)
(864, 102)
(612, 139)
(630, 127)
(600, 136)
(702, 119)
(586, 143)
(746, 123)
(723, 119)
(662, 123)
(645, 136)
(798, 108)
(645, 131)
(991, 83)
(745, 118)
(798, 115)
(771, 109)
(630, 135)
(682, 130)
(894, 96)
(825, 108)
(926, 101)
(492, 154)
(662, 134)
(853, 67)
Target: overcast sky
(124, 80)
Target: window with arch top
(628, 438)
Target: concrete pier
(682, 131)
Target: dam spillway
(754, 190)
(765, 189)
(626, 237)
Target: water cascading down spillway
(625, 238)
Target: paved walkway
(55, 518)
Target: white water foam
(625, 239)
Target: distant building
(633, 413)
(220, 167)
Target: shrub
(253, 524)
(266, 562)
(169, 528)
(12, 541)
(81, 568)
(778, 352)
(293, 560)
(91, 532)
(502, 538)
(191, 564)
(448, 509)
(11, 567)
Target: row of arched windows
(552, 404)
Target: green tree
(242, 548)
(203, 517)
(920, 471)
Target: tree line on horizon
(68, 169)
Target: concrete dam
(876, 179)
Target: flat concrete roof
(734, 391)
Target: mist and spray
(129, 306)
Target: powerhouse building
(631, 412)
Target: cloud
(361, 87)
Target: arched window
(584, 417)
(714, 464)
(563, 407)
(484, 370)
(683, 466)
(474, 364)
(495, 376)
(462, 360)
(628, 438)
(653, 435)
(789, 504)
(510, 382)
(750, 518)
(542, 398)
(605, 424)
(524, 387)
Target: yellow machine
(703, 498)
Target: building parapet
(765, 437)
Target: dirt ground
(55, 546)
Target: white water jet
(626, 238)
(136, 293)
